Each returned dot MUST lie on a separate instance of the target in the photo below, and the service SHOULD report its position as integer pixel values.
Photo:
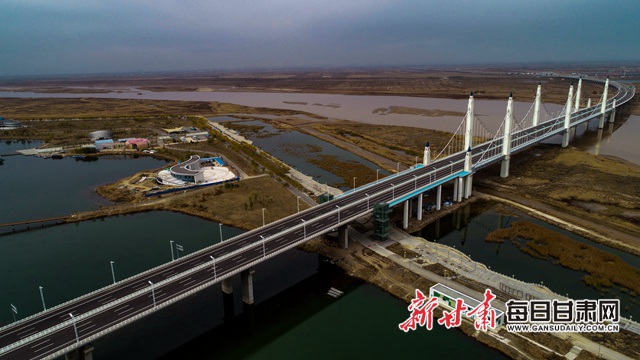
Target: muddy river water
(363, 108)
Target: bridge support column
(248, 307)
(504, 166)
(455, 189)
(419, 212)
(460, 188)
(469, 186)
(227, 299)
(405, 217)
(612, 116)
(601, 123)
(603, 106)
(83, 353)
(566, 136)
(227, 286)
(343, 236)
(246, 278)
(439, 198)
(86, 352)
(467, 181)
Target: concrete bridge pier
(405, 216)
(468, 189)
(246, 279)
(504, 166)
(461, 188)
(83, 353)
(601, 123)
(439, 198)
(612, 116)
(455, 190)
(419, 212)
(468, 180)
(343, 236)
(566, 138)
(227, 299)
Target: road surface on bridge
(53, 332)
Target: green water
(467, 228)
(293, 317)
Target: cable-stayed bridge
(68, 326)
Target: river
(293, 148)
(467, 227)
(69, 260)
(292, 306)
(362, 108)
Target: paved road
(52, 333)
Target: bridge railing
(493, 148)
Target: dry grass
(604, 269)
(398, 143)
(485, 82)
(625, 342)
(97, 108)
(237, 204)
(599, 189)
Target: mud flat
(595, 195)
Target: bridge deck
(101, 311)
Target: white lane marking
(122, 307)
(120, 313)
(106, 300)
(29, 330)
(86, 328)
(184, 280)
(186, 284)
(41, 346)
(141, 286)
(235, 259)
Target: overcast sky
(97, 36)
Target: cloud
(104, 36)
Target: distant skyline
(46, 37)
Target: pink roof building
(138, 143)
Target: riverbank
(236, 204)
(395, 267)
(595, 196)
(397, 274)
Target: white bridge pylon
(515, 134)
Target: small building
(100, 135)
(138, 143)
(104, 144)
(7, 124)
(177, 130)
(189, 170)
